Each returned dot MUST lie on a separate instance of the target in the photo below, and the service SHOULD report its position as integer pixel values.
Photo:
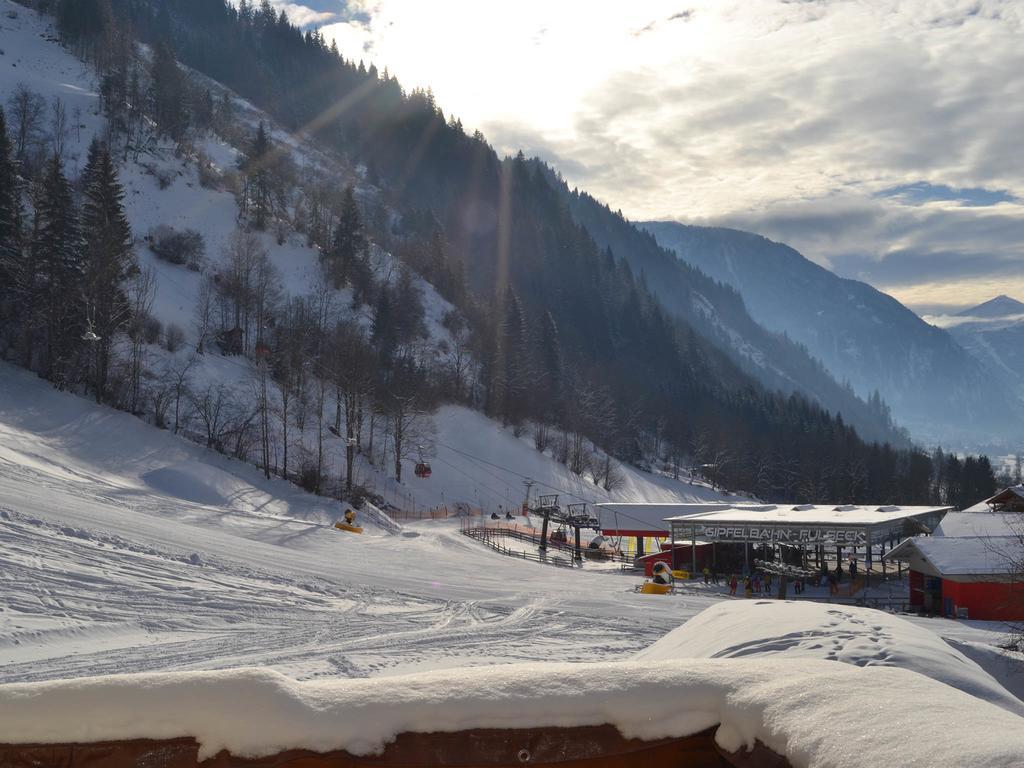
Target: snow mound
(862, 637)
(189, 481)
(814, 712)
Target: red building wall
(988, 600)
(916, 589)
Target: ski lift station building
(726, 534)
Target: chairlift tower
(574, 516)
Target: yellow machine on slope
(349, 523)
(661, 581)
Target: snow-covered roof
(961, 555)
(813, 711)
(980, 522)
(800, 514)
(1013, 493)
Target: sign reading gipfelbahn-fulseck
(775, 533)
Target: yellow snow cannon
(349, 523)
(661, 581)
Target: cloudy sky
(882, 138)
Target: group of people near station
(834, 577)
(760, 582)
(756, 583)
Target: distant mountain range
(718, 313)
(994, 333)
(937, 388)
(999, 308)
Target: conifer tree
(348, 242)
(385, 327)
(514, 363)
(168, 92)
(550, 376)
(56, 254)
(258, 194)
(108, 258)
(10, 214)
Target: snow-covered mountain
(476, 461)
(934, 387)
(718, 312)
(993, 332)
(1000, 307)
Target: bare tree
(178, 374)
(458, 354)
(289, 369)
(260, 375)
(76, 120)
(141, 291)
(407, 407)
(237, 287)
(26, 110)
(352, 366)
(203, 317)
(323, 309)
(58, 126)
(211, 407)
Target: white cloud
(747, 111)
(304, 16)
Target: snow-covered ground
(124, 548)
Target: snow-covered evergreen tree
(109, 259)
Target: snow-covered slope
(124, 548)
(476, 462)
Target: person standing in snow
(853, 569)
(748, 589)
(733, 583)
(707, 575)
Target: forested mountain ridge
(718, 312)
(934, 387)
(565, 339)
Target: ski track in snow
(224, 614)
(102, 573)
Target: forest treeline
(551, 332)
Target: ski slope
(124, 548)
